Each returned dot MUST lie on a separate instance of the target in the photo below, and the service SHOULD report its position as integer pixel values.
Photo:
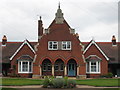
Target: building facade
(58, 52)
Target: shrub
(65, 82)
(58, 83)
(52, 82)
(109, 75)
(46, 82)
(71, 83)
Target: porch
(59, 68)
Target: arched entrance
(46, 67)
(72, 67)
(59, 67)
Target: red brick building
(59, 52)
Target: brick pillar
(53, 69)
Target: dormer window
(52, 45)
(66, 45)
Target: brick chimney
(4, 40)
(40, 29)
(113, 40)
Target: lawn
(91, 82)
(20, 81)
(99, 82)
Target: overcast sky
(96, 19)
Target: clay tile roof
(9, 50)
(109, 50)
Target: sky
(91, 19)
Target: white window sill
(24, 72)
(92, 72)
(52, 49)
(66, 49)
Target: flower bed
(51, 82)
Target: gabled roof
(109, 50)
(25, 42)
(90, 44)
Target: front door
(71, 69)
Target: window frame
(66, 43)
(47, 65)
(52, 45)
(20, 67)
(89, 67)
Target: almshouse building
(59, 52)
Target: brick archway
(59, 67)
(72, 67)
(44, 58)
(46, 67)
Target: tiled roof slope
(108, 49)
(9, 50)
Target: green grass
(20, 81)
(91, 82)
(99, 82)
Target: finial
(59, 5)
(40, 17)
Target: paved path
(39, 87)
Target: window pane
(49, 67)
(93, 67)
(44, 67)
(25, 66)
(88, 66)
(66, 45)
(30, 67)
(52, 45)
(61, 67)
(19, 66)
(56, 67)
(98, 67)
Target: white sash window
(93, 67)
(24, 67)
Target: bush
(46, 82)
(58, 83)
(109, 75)
(71, 83)
(65, 82)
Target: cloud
(19, 18)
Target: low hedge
(50, 82)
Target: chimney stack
(40, 29)
(113, 40)
(4, 40)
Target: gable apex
(25, 42)
(94, 43)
